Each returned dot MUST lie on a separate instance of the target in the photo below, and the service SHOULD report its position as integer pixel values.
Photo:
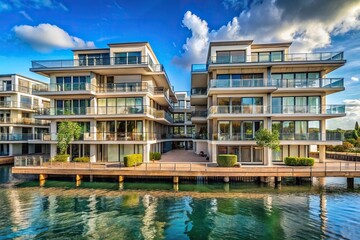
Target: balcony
(198, 91)
(198, 68)
(239, 110)
(269, 58)
(126, 87)
(105, 136)
(315, 136)
(14, 104)
(15, 88)
(163, 115)
(306, 109)
(68, 88)
(96, 63)
(161, 96)
(24, 121)
(16, 136)
(118, 110)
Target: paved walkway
(178, 155)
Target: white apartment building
(120, 95)
(245, 86)
(17, 124)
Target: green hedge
(299, 161)
(226, 160)
(82, 159)
(133, 160)
(155, 156)
(61, 158)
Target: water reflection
(155, 211)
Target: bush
(61, 158)
(347, 145)
(132, 160)
(82, 159)
(226, 160)
(299, 161)
(339, 148)
(155, 156)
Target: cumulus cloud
(308, 24)
(352, 115)
(46, 37)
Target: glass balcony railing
(238, 109)
(125, 87)
(15, 88)
(16, 136)
(268, 58)
(198, 68)
(98, 62)
(162, 114)
(25, 121)
(234, 83)
(278, 83)
(199, 91)
(105, 136)
(308, 83)
(14, 104)
(56, 87)
(201, 114)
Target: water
(100, 210)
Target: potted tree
(268, 139)
(67, 132)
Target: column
(93, 153)
(146, 152)
(322, 153)
(52, 150)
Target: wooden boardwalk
(161, 169)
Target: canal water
(106, 210)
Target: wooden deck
(158, 169)
(6, 160)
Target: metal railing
(92, 62)
(239, 109)
(233, 83)
(15, 88)
(14, 104)
(199, 91)
(312, 136)
(270, 57)
(125, 87)
(16, 136)
(25, 121)
(323, 169)
(64, 87)
(202, 114)
(104, 136)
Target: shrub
(347, 145)
(82, 159)
(133, 160)
(155, 156)
(61, 158)
(299, 161)
(339, 148)
(226, 160)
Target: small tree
(67, 132)
(265, 138)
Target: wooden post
(350, 183)
(175, 180)
(121, 179)
(78, 177)
(42, 179)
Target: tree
(67, 132)
(357, 126)
(266, 138)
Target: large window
(247, 105)
(275, 56)
(72, 107)
(291, 105)
(237, 130)
(245, 154)
(296, 80)
(297, 130)
(72, 83)
(179, 117)
(25, 101)
(230, 56)
(239, 80)
(128, 58)
(94, 59)
(120, 105)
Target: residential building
(246, 86)
(18, 105)
(121, 97)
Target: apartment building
(120, 95)
(18, 105)
(182, 129)
(245, 86)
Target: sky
(180, 31)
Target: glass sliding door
(248, 131)
(224, 105)
(111, 106)
(314, 130)
(245, 154)
(223, 130)
(223, 81)
(314, 105)
(276, 105)
(300, 80)
(300, 105)
(288, 130)
(288, 105)
(300, 130)
(288, 80)
(102, 106)
(236, 130)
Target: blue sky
(179, 32)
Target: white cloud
(46, 37)
(27, 16)
(308, 24)
(31, 4)
(352, 115)
(355, 79)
